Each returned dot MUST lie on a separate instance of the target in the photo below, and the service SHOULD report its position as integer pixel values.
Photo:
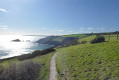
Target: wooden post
(109, 36)
(117, 35)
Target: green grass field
(44, 59)
(75, 35)
(90, 61)
(87, 39)
(72, 35)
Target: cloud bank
(3, 10)
(4, 27)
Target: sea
(9, 48)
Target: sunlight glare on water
(9, 48)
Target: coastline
(41, 52)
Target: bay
(26, 45)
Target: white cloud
(90, 28)
(102, 29)
(82, 31)
(4, 27)
(3, 10)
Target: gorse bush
(98, 39)
(23, 71)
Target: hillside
(82, 61)
(60, 40)
(33, 66)
(90, 61)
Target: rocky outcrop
(16, 40)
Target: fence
(113, 35)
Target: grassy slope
(72, 35)
(75, 35)
(87, 39)
(45, 60)
(90, 61)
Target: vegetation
(98, 39)
(35, 53)
(38, 65)
(60, 40)
(27, 70)
(75, 35)
(88, 39)
(69, 43)
(83, 42)
(90, 61)
(81, 60)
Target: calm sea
(27, 45)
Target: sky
(57, 17)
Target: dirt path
(53, 70)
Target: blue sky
(45, 17)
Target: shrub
(69, 43)
(24, 71)
(83, 42)
(1, 69)
(98, 39)
(35, 53)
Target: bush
(24, 71)
(98, 39)
(35, 53)
(69, 43)
(83, 42)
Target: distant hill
(60, 40)
(55, 40)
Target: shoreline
(32, 54)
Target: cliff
(56, 40)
